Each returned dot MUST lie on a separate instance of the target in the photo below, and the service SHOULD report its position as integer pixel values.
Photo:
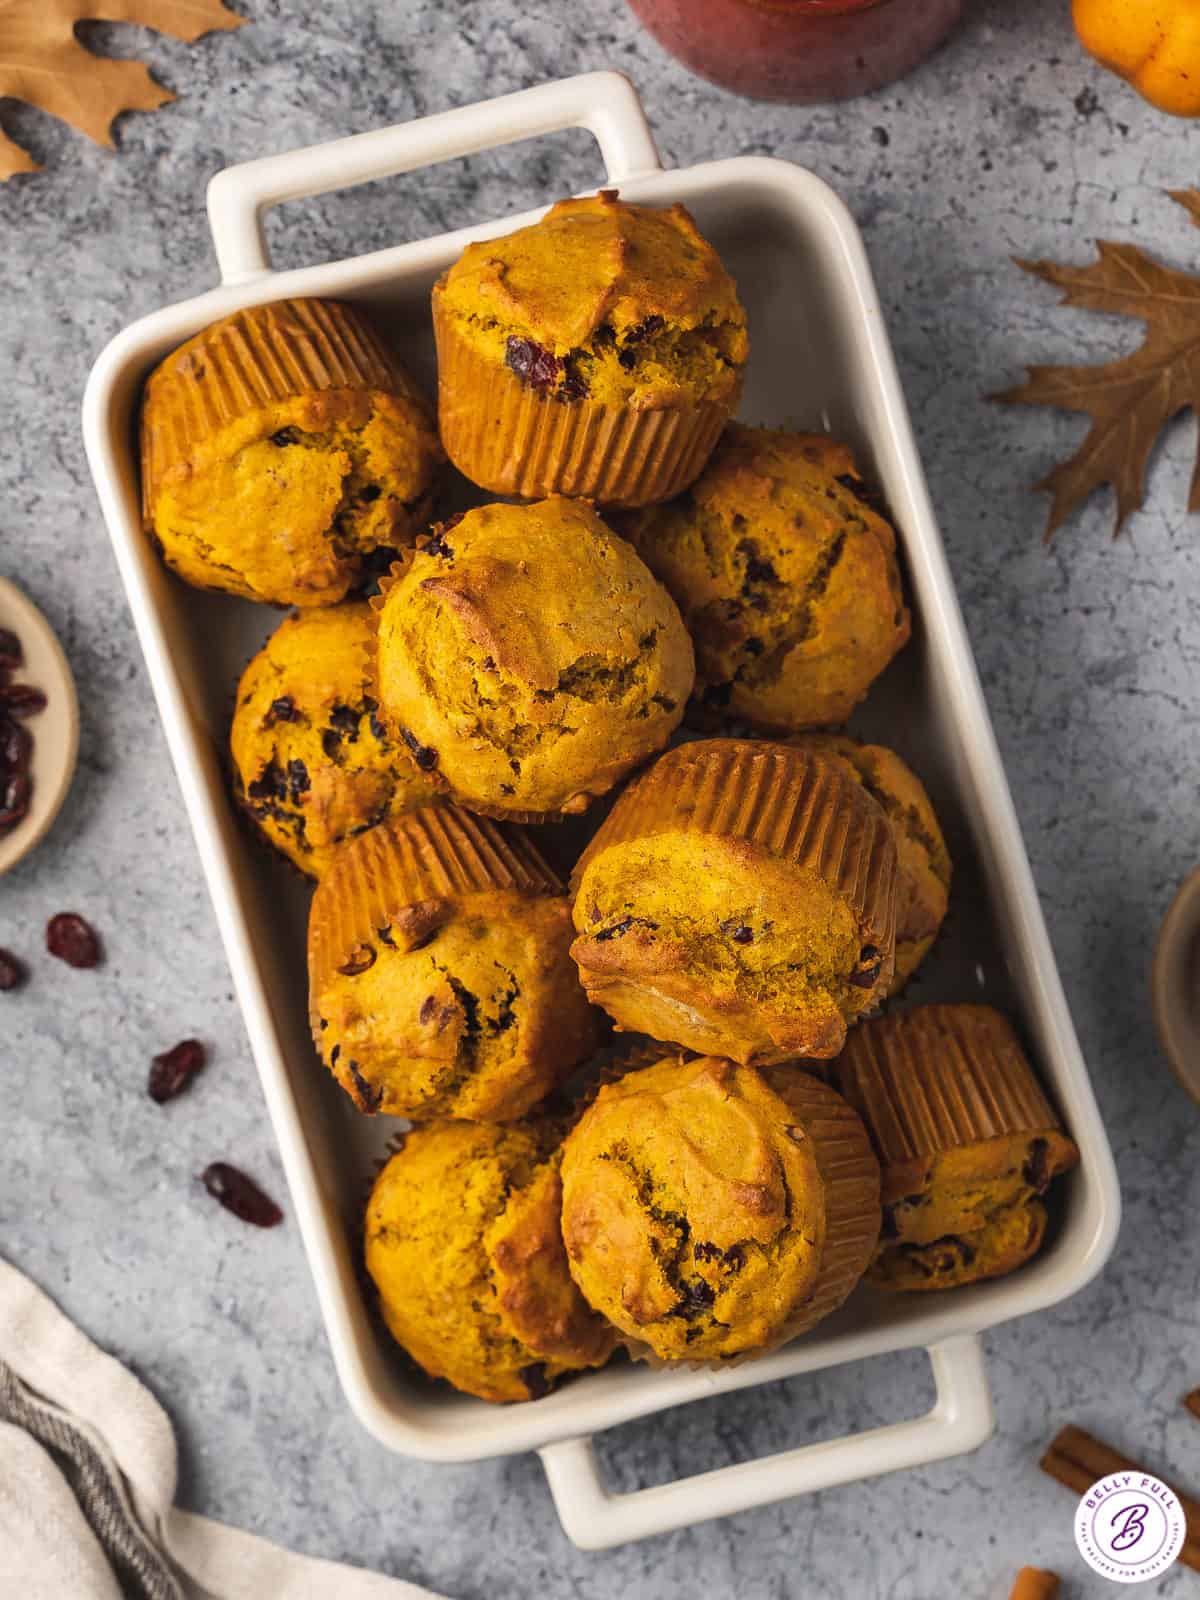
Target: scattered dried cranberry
(425, 757)
(171, 1072)
(533, 363)
(281, 710)
(72, 940)
(241, 1195)
(11, 654)
(12, 971)
(14, 799)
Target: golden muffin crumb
(923, 883)
(440, 980)
(463, 1242)
(786, 578)
(280, 446)
(963, 1131)
(711, 1209)
(739, 898)
(313, 764)
(528, 659)
(597, 352)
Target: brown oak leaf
(1130, 400)
(43, 63)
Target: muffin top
(463, 1242)
(312, 762)
(923, 884)
(787, 579)
(440, 981)
(740, 900)
(528, 659)
(279, 447)
(695, 1214)
(604, 301)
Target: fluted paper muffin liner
(503, 435)
(850, 1176)
(257, 358)
(791, 804)
(424, 859)
(938, 1078)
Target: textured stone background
(1008, 142)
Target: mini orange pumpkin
(1153, 44)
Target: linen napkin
(87, 1486)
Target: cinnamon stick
(1192, 1402)
(1035, 1584)
(1077, 1460)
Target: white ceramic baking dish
(821, 359)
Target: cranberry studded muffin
(279, 447)
(597, 353)
(440, 982)
(710, 1209)
(528, 659)
(313, 764)
(966, 1138)
(740, 900)
(464, 1244)
(787, 579)
(923, 883)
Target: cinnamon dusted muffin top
(528, 659)
(463, 1241)
(604, 301)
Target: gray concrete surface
(1008, 142)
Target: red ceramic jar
(799, 51)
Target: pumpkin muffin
(597, 353)
(740, 899)
(464, 1244)
(528, 659)
(440, 982)
(1011, 1237)
(787, 579)
(964, 1135)
(279, 447)
(710, 1209)
(923, 883)
(313, 764)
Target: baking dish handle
(595, 1519)
(605, 103)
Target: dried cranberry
(22, 700)
(284, 437)
(281, 710)
(425, 757)
(241, 1195)
(738, 931)
(533, 363)
(14, 800)
(12, 971)
(11, 654)
(870, 962)
(360, 959)
(644, 330)
(574, 384)
(16, 746)
(171, 1072)
(71, 939)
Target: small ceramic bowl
(1175, 984)
(55, 730)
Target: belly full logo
(1129, 1527)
